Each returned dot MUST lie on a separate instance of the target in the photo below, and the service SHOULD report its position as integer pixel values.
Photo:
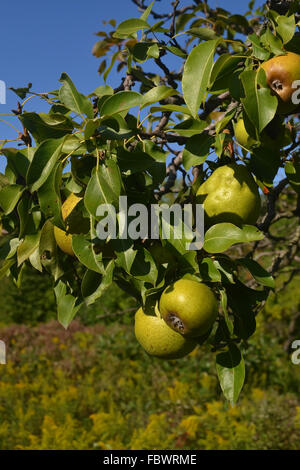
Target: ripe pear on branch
(75, 223)
(158, 339)
(230, 194)
(282, 74)
(189, 307)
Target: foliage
(94, 388)
(33, 302)
(115, 142)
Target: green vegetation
(93, 387)
(33, 301)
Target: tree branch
(271, 209)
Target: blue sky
(40, 40)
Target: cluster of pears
(186, 313)
(188, 309)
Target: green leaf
(223, 303)
(220, 126)
(9, 197)
(147, 12)
(144, 50)
(175, 232)
(259, 50)
(74, 100)
(231, 372)
(152, 149)
(112, 62)
(182, 20)
(6, 267)
(156, 94)
(144, 267)
(220, 237)
(94, 285)
(258, 272)
(43, 162)
(48, 251)
(35, 259)
(157, 28)
(49, 196)
(189, 127)
(129, 27)
(272, 42)
(104, 187)
(121, 101)
(22, 92)
(259, 104)
(208, 271)
(173, 108)
(243, 301)
(222, 71)
(286, 27)
(125, 254)
(29, 216)
(84, 250)
(28, 247)
(8, 246)
(46, 126)
(135, 161)
(67, 304)
(203, 33)
(225, 267)
(176, 51)
(72, 144)
(90, 127)
(196, 150)
(196, 75)
(103, 90)
(264, 164)
(292, 171)
(17, 160)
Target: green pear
(189, 307)
(158, 339)
(230, 194)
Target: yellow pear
(75, 223)
(230, 194)
(158, 339)
(242, 136)
(274, 137)
(189, 307)
(282, 71)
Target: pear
(189, 307)
(158, 339)
(282, 71)
(242, 136)
(230, 194)
(75, 223)
(274, 137)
